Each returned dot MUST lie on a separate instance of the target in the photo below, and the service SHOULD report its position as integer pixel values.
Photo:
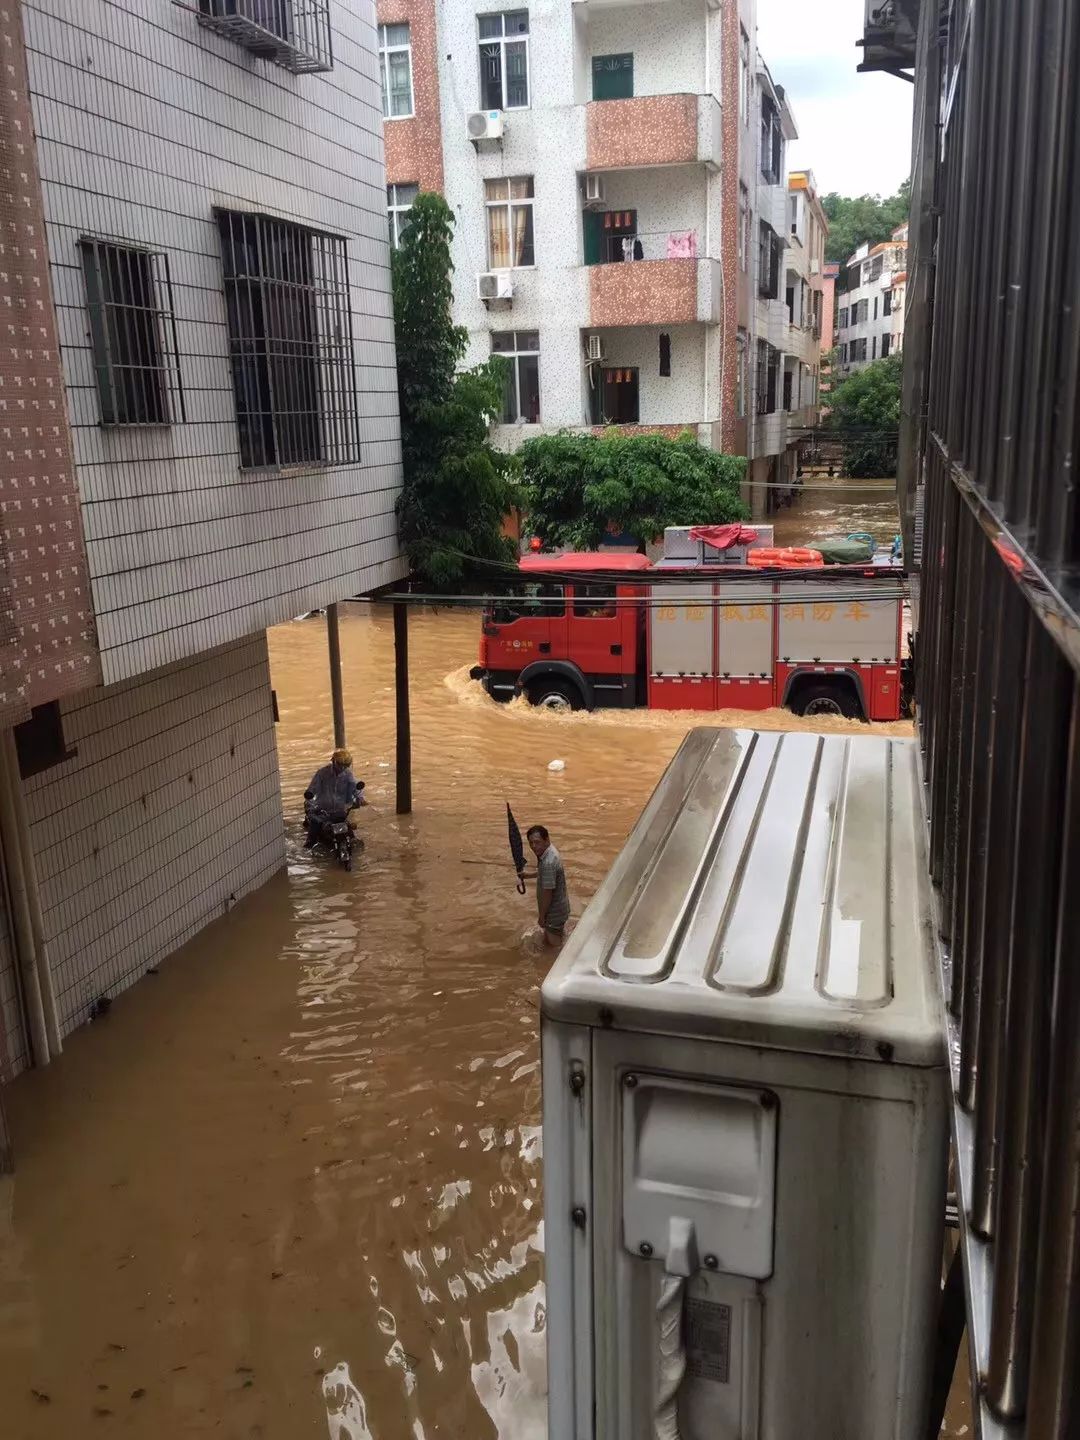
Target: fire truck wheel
(827, 700)
(554, 694)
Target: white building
(604, 163)
(870, 316)
(208, 180)
(804, 294)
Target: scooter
(336, 832)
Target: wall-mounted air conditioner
(495, 285)
(485, 125)
(745, 1105)
(594, 192)
(596, 347)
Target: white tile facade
(168, 813)
(146, 122)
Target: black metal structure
(995, 405)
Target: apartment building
(870, 316)
(198, 408)
(831, 273)
(804, 296)
(617, 173)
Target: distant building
(619, 182)
(198, 407)
(870, 319)
(828, 327)
(808, 229)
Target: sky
(854, 130)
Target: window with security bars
(504, 60)
(132, 334)
(290, 342)
(294, 34)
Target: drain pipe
(20, 912)
(33, 896)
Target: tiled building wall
(414, 145)
(47, 646)
(169, 812)
(146, 121)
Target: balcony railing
(294, 34)
(657, 279)
(649, 130)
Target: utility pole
(401, 687)
(333, 639)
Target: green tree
(867, 407)
(580, 487)
(855, 219)
(458, 488)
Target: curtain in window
(499, 237)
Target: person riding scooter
(333, 792)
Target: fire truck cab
(590, 630)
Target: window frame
(509, 204)
(630, 371)
(385, 51)
(744, 227)
(40, 743)
(622, 69)
(515, 357)
(395, 211)
(740, 374)
(114, 324)
(585, 597)
(502, 40)
(746, 84)
(321, 304)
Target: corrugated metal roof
(773, 891)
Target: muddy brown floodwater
(837, 507)
(291, 1185)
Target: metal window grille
(132, 334)
(291, 342)
(294, 34)
(998, 671)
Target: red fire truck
(590, 630)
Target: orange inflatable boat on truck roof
(785, 557)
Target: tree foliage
(580, 487)
(869, 402)
(855, 219)
(457, 489)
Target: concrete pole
(33, 896)
(7, 1151)
(401, 687)
(334, 643)
(20, 916)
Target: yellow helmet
(342, 757)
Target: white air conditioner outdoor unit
(495, 285)
(485, 125)
(745, 1105)
(594, 191)
(596, 347)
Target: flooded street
(291, 1185)
(823, 507)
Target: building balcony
(644, 291)
(651, 130)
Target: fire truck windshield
(528, 600)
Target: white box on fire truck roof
(745, 1107)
